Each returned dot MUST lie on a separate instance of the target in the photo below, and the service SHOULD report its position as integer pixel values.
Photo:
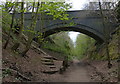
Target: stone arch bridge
(85, 21)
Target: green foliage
(6, 21)
(61, 43)
(10, 4)
(98, 52)
(6, 72)
(83, 43)
(56, 9)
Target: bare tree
(16, 45)
(118, 34)
(106, 34)
(11, 25)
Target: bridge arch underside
(82, 29)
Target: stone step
(52, 66)
(46, 60)
(48, 57)
(48, 63)
(50, 71)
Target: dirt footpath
(77, 73)
(91, 71)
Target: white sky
(76, 5)
(73, 35)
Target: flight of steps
(48, 62)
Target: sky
(76, 5)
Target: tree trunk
(17, 44)
(11, 26)
(118, 33)
(106, 34)
(65, 63)
(33, 24)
